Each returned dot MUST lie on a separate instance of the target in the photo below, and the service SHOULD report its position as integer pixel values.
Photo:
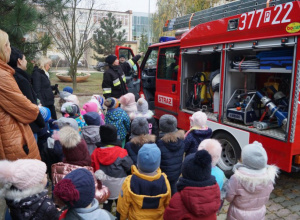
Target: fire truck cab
(242, 70)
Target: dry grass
(91, 86)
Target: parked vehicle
(100, 66)
(256, 57)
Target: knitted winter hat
(167, 123)
(22, 173)
(61, 122)
(128, 103)
(110, 59)
(148, 159)
(76, 189)
(254, 156)
(99, 100)
(111, 103)
(90, 107)
(213, 147)
(45, 112)
(14, 56)
(139, 126)
(72, 110)
(142, 106)
(122, 55)
(72, 98)
(197, 166)
(64, 106)
(198, 119)
(64, 94)
(109, 135)
(68, 89)
(92, 118)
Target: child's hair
(198, 119)
(213, 147)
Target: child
(73, 111)
(248, 190)
(74, 147)
(214, 149)
(77, 190)
(24, 189)
(128, 104)
(139, 136)
(171, 146)
(198, 195)
(99, 100)
(197, 133)
(110, 162)
(90, 133)
(146, 193)
(143, 111)
(117, 117)
(62, 99)
(92, 107)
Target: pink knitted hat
(90, 107)
(128, 103)
(72, 98)
(213, 147)
(198, 119)
(22, 173)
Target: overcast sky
(134, 5)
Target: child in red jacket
(198, 195)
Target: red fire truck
(239, 63)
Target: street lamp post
(149, 23)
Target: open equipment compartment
(258, 86)
(198, 65)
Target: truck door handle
(173, 87)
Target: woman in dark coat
(19, 63)
(42, 86)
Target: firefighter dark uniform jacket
(128, 65)
(114, 82)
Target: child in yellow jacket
(146, 193)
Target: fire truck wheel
(231, 152)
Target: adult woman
(16, 112)
(19, 63)
(42, 86)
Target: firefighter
(128, 65)
(114, 80)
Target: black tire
(231, 152)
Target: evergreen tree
(107, 37)
(19, 19)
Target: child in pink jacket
(249, 189)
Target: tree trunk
(73, 71)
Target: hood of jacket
(69, 137)
(108, 155)
(173, 136)
(201, 134)
(139, 199)
(143, 139)
(4, 66)
(21, 196)
(201, 201)
(256, 181)
(91, 134)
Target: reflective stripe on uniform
(116, 82)
(124, 78)
(131, 63)
(106, 90)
